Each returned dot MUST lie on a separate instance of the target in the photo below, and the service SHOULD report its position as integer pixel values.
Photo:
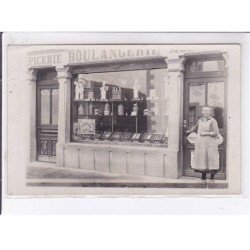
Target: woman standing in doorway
(206, 157)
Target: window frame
(113, 66)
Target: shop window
(129, 107)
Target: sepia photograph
(122, 118)
(124, 125)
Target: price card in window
(146, 137)
(136, 137)
(86, 126)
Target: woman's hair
(206, 106)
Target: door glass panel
(215, 94)
(215, 99)
(197, 99)
(54, 106)
(45, 106)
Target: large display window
(127, 107)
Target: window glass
(206, 66)
(45, 106)
(215, 99)
(197, 99)
(121, 106)
(210, 66)
(215, 94)
(54, 106)
(197, 94)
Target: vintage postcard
(121, 118)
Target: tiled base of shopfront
(50, 175)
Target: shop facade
(124, 110)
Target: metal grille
(44, 147)
(53, 148)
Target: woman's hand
(203, 133)
(207, 133)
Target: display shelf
(126, 138)
(92, 100)
(110, 100)
(124, 115)
(119, 143)
(154, 100)
(94, 115)
(119, 110)
(116, 115)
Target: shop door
(47, 121)
(197, 93)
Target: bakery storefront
(124, 110)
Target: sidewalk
(47, 174)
